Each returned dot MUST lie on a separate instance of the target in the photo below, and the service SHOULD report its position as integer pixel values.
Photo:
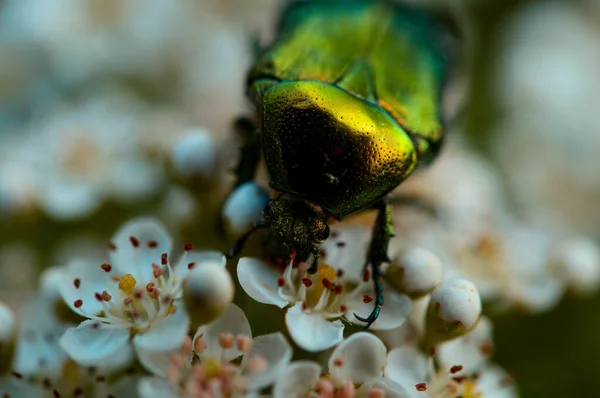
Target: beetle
(348, 102)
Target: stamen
(338, 362)
(367, 275)
(307, 282)
(343, 308)
(340, 244)
(455, 369)
(421, 387)
(340, 273)
(153, 244)
(244, 343)
(367, 299)
(226, 340)
(164, 258)
(134, 241)
(191, 265)
(150, 287)
(76, 283)
(106, 296)
(156, 271)
(78, 303)
(188, 247)
(326, 282)
(106, 267)
(280, 281)
(112, 246)
(98, 296)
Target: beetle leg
(250, 151)
(314, 265)
(382, 233)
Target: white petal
(311, 331)
(471, 351)
(127, 259)
(494, 382)
(167, 333)
(391, 389)
(346, 249)
(90, 345)
(394, 311)
(132, 179)
(196, 153)
(198, 258)
(259, 281)
(12, 387)
(155, 347)
(298, 380)
(407, 366)
(91, 280)
(278, 353)
(68, 201)
(232, 321)
(359, 358)
(154, 387)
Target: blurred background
(104, 102)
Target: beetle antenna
(237, 247)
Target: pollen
(127, 284)
(326, 272)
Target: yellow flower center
(470, 390)
(127, 284)
(211, 366)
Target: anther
(150, 287)
(307, 282)
(339, 273)
(77, 283)
(106, 296)
(226, 340)
(112, 246)
(134, 241)
(367, 275)
(421, 387)
(78, 303)
(304, 306)
(188, 247)
(244, 343)
(191, 265)
(340, 244)
(327, 283)
(127, 301)
(152, 244)
(106, 267)
(338, 362)
(455, 369)
(280, 281)
(343, 308)
(115, 278)
(98, 296)
(367, 299)
(338, 289)
(164, 259)
(156, 271)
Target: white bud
(8, 326)
(454, 310)
(195, 153)
(244, 207)
(578, 262)
(207, 292)
(415, 272)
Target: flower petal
(129, 259)
(259, 281)
(359, 358)
(154, 347)
(197, 258)
(346, 249)
(81, 280)
(393, 313)
(407, 366)
(13, 387)
(471, 351)
(391, 389)
(297, 380)
(154, 387)
(311, 331)
(92, 343)
(278, 353)
(495, 382)
(167, 333)
(68, 201)
(232, 321)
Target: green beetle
(348, 99)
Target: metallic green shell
(373, 61)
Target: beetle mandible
(348, 102)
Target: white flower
(195, 153)
(318, 302)
(461, 369)
(355, 369)
(244, 207)
(80, 156)
(131, 303)
(216, 373)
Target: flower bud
(415, 272)
(8, 334)
(244, 207)
(454, 310)
(578, 262)
(207, 292)
(195, 153)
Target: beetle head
(294, 225)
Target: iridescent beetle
(348, 99)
